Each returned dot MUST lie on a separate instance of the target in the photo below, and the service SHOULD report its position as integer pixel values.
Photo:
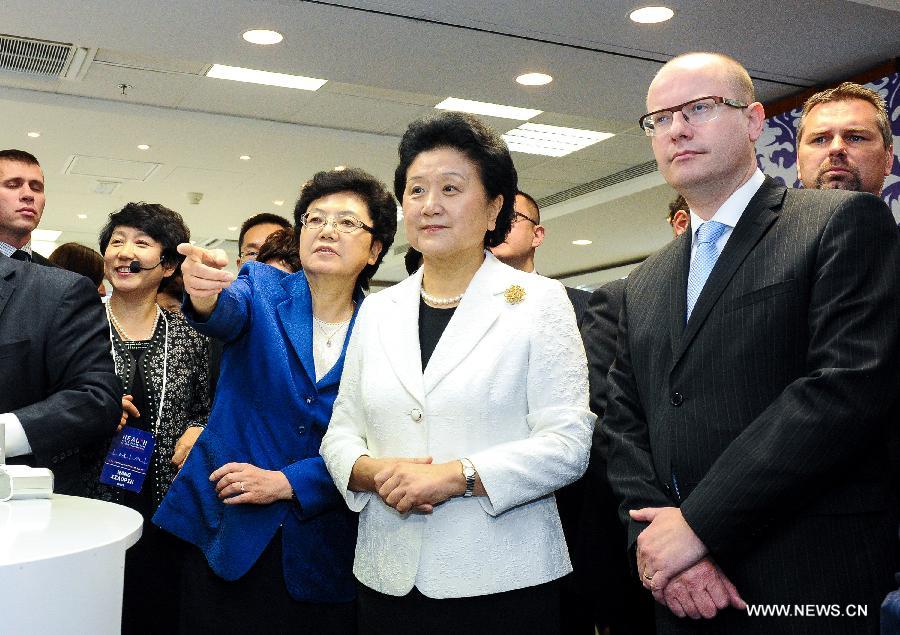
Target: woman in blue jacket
(275, 539)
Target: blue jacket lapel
(295, 315)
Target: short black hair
(163, 225)
(281, 245)
(265, 218)
(374, 193)
(19, 156)
(480, 144)
(530, 199)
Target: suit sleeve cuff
(16, 439)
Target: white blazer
(506, 387)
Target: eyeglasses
(249, 254)
(695, 112)
(343, 224)
(518, 215)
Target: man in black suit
(746, 412)
(619, 602)
(525, 236)
(58, 388)
(517, 251)
(21, 204)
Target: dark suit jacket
(618, 600)
(579, 299)
(768, 407)
(38, 259)
(56, 371)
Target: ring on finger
(242, 487)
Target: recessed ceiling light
(582, 242)
(244, 157)
(340, 168)
(48, 235)
(551, 141)
(34, 134)
(143, 146)
(233, 228)
(278, 203)
(237, 74)
(262, 36)
(534, 79)
(651, 15)
(82, 216)
(489, 110)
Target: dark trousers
(529, 611)
(258, 602)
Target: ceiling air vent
(42, 58)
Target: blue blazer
(270, 412)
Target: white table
(62, 563)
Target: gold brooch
(514, 294)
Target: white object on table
(62, 562)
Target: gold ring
(648, 577)
(242, 486)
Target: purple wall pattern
(776, 148)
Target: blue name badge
(128, 460)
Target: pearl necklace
(115, 322)
(329, 336)
(430, 299)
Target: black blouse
(432, 323)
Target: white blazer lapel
(480, 307)
(399, 333)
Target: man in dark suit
(525, 236)
(619, 602)
(58, 388)
(21, 204)
(517, 251)
(746, 412)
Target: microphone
(134, 266)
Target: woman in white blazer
(463, 406)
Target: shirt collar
(731, 210)
(7, 250)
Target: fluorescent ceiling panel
(488, 110)
(551, 141)
(46, 235)
(238, 74)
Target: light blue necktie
(705, 257)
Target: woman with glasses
(274, 540)
(463, 407)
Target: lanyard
(162, 396)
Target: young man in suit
(58, 388)
(21, 204)
(522, 241)
(619, 602)
(576, 594)
(745, 414)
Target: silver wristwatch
(468, 471)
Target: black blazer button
(677, 399)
